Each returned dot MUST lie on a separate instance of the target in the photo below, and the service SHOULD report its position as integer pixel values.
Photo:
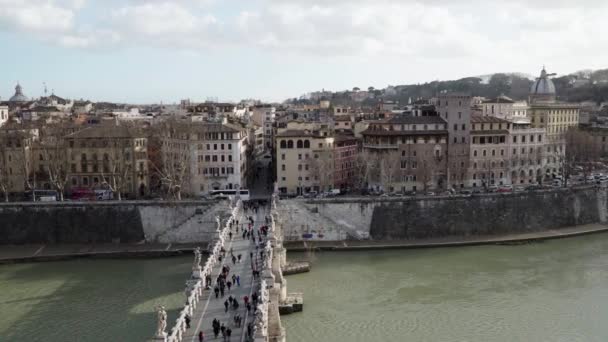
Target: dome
(18, 97)
(543, 85)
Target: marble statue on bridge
(161, 322)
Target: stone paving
(210, 307)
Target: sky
(148, 51)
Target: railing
(380, 146)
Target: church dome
(18, 97)
(543, 85)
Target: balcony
(381, 146)
(217, 176)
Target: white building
(220, 158)
(264, 116)
(3, 115)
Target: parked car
(493, 188)
(518, 189)
(466, 192)
(504, 189)
(430, 193)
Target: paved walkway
(210, 307)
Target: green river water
(550, 291)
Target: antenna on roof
(45, 90)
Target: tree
(322, 171)
(116, 168)
(389, 170)
(365, 165)
(55, 157)
(4, 170)
(171, 162)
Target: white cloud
(517, 32)
(35, 16)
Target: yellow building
(556, 117)
(111, 157)
(305, 160)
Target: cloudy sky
(160, 50)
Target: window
(222, 146)
(222, 157)
(230, 146)
(306, 144)
(464, 127)
(300, 144)
(289, 143)
(283, 144)
(283, 156)
(300, 156)
(455, 127)
(283, 167)
(300, 167)
(474, 153)
(515, 139)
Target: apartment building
(489, 152)
(104, 156)
(304, 160)
(455, 109)
(407, 153)
(219, 156)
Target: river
(89, 300)
(550, 291)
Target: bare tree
(389, 170)
(55, 157)
(4, 170)
(321, 170)
(171, 161)
(364, 166)
(115, 169)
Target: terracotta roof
(415, 120)
(487, 119)
(106, 131)
(342, 118)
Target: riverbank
(40, 253)
(303, 246)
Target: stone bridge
(265, 256)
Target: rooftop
(299, 133)
(414, 120)
(106, 131)
(499, 99)
(487, 119)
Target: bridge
(265, 256)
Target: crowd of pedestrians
(227, 281)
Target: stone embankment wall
(434, 217)
(109, 222)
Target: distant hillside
(584, 85)
(580, 86)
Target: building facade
(407, 153)
(304, 160)
(455, 109)
(113, 157)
